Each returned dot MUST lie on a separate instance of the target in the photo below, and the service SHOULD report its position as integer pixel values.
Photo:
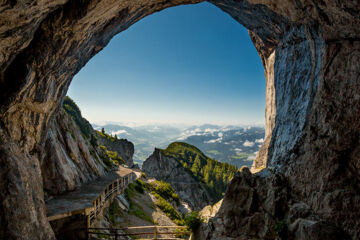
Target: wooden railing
(112, 189)
(150, 232)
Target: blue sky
(189, 64)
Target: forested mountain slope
(198, 179)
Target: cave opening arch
(303, 47)
(163, 70)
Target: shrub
(139, 187)
(113, 211)
(168, 209)
(165, 190)
(193, 220)
(111, 158)
(139, 212)
(73, 110)
(129, 191)
(136, 209)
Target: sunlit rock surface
(123, 147)
(168, 169)
(311, 54)
(69, 159)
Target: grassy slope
(110, 158)
(74, 111)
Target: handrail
(114, 187)
(140, 233)
(138, 227)
(155, 233)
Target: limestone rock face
(69, 159)
(123, 147)
(260, 207)
(167, 169)
(310, 51)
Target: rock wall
(123, 147)
(310, 52)
(168, 169)
(69, 159)
(261, 206)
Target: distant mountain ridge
(237, 146)
(145, 138)
(232, 144)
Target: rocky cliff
(261, 206)
(170, 170)
(69, 159)
(73, 151)
(311, 55)
(123, 147)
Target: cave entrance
(183, 67)
(41, 54)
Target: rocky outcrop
(260, 207)
(310, 51)
(168, 169)
(123, 147)
(69, 159)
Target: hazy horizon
(187, 65)
(179, 125)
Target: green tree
(196, 166)
(193, 220)
(102, 130)
(214, 174)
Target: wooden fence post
(155, 232)
(191, 236)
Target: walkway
(89, 199)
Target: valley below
(169, 192)
(237, 145)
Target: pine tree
(196, 166)
(102, 130)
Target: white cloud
(238, 150)
(120, 132)
(214, 140)
(261, 140)
(154, 129)
(248, 144)
(188, 133)
(210, 130)
(219, 139)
